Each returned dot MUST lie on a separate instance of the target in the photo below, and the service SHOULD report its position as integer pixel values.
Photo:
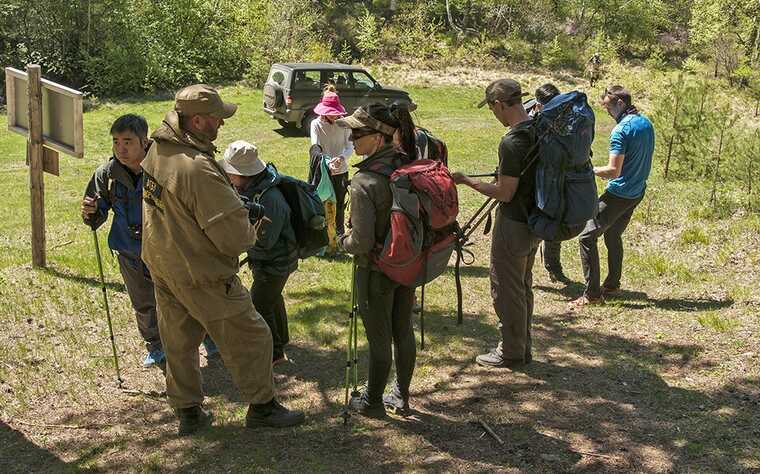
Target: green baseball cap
(201, 99)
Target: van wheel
(306, 122)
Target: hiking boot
(496, 359)
(272, 414)
(609, 291)
(396, 402)
(154, 357)
(193, 419)
(279, 358)
(211, 350)
(361, 404)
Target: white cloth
(335, 142)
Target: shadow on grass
(19, 454)
(591, 401)
(640, 300)
(86, 280)
(289, 132)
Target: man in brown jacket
(194, 229)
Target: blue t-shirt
(633, 137)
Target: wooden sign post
(50, 116)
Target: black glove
(255, 210)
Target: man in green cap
(194, 229)
(513, 245)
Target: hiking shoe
(583, 301)
(193, 419)
(154, 357)
(361, 404)
(278, 359)
(272, 414)
(211, 350)
(395, 402)
(496, 359)
(607, 291)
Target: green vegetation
(132, 46)
(662, 378)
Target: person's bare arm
(613, 169)
(502, 190)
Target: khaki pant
(226, 313)
(513, 251)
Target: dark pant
(513, 252)
(266, 293)
(611, 221)
(340, 185)
(386, 311)
(142, 295)
(552, 253)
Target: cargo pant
(513, 252)
(340, 187)
(223, 310)
(552, 254)
(141, 294)
(386, 311)
(266, 292)
(611, 221)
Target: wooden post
(36, 159)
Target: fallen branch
(491, 432)
(62, 244)
(66, 427)
(588, 453)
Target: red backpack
(423, 220)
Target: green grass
(623, 376)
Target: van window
(307, 80)
(360, 80)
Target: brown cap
(503, 90)
(200, 99)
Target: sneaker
(496, 359)
(395, 402)
(361, 404)
(193, 419)
(211, 350)
(272, 414)
(154, 357)
(584, 300)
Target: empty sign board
(61, 112)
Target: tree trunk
(675, 131)
(716, 176)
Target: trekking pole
(484, 175)
(422, 318)
(354, 318)
(105, 303)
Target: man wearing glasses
(630, 160)
(513, 245)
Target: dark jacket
(371, 201)
(276, 250)
(117, 190)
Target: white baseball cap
(242, 158)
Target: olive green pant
(226, 313)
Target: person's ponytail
(406, 128)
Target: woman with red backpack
(385, 305)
